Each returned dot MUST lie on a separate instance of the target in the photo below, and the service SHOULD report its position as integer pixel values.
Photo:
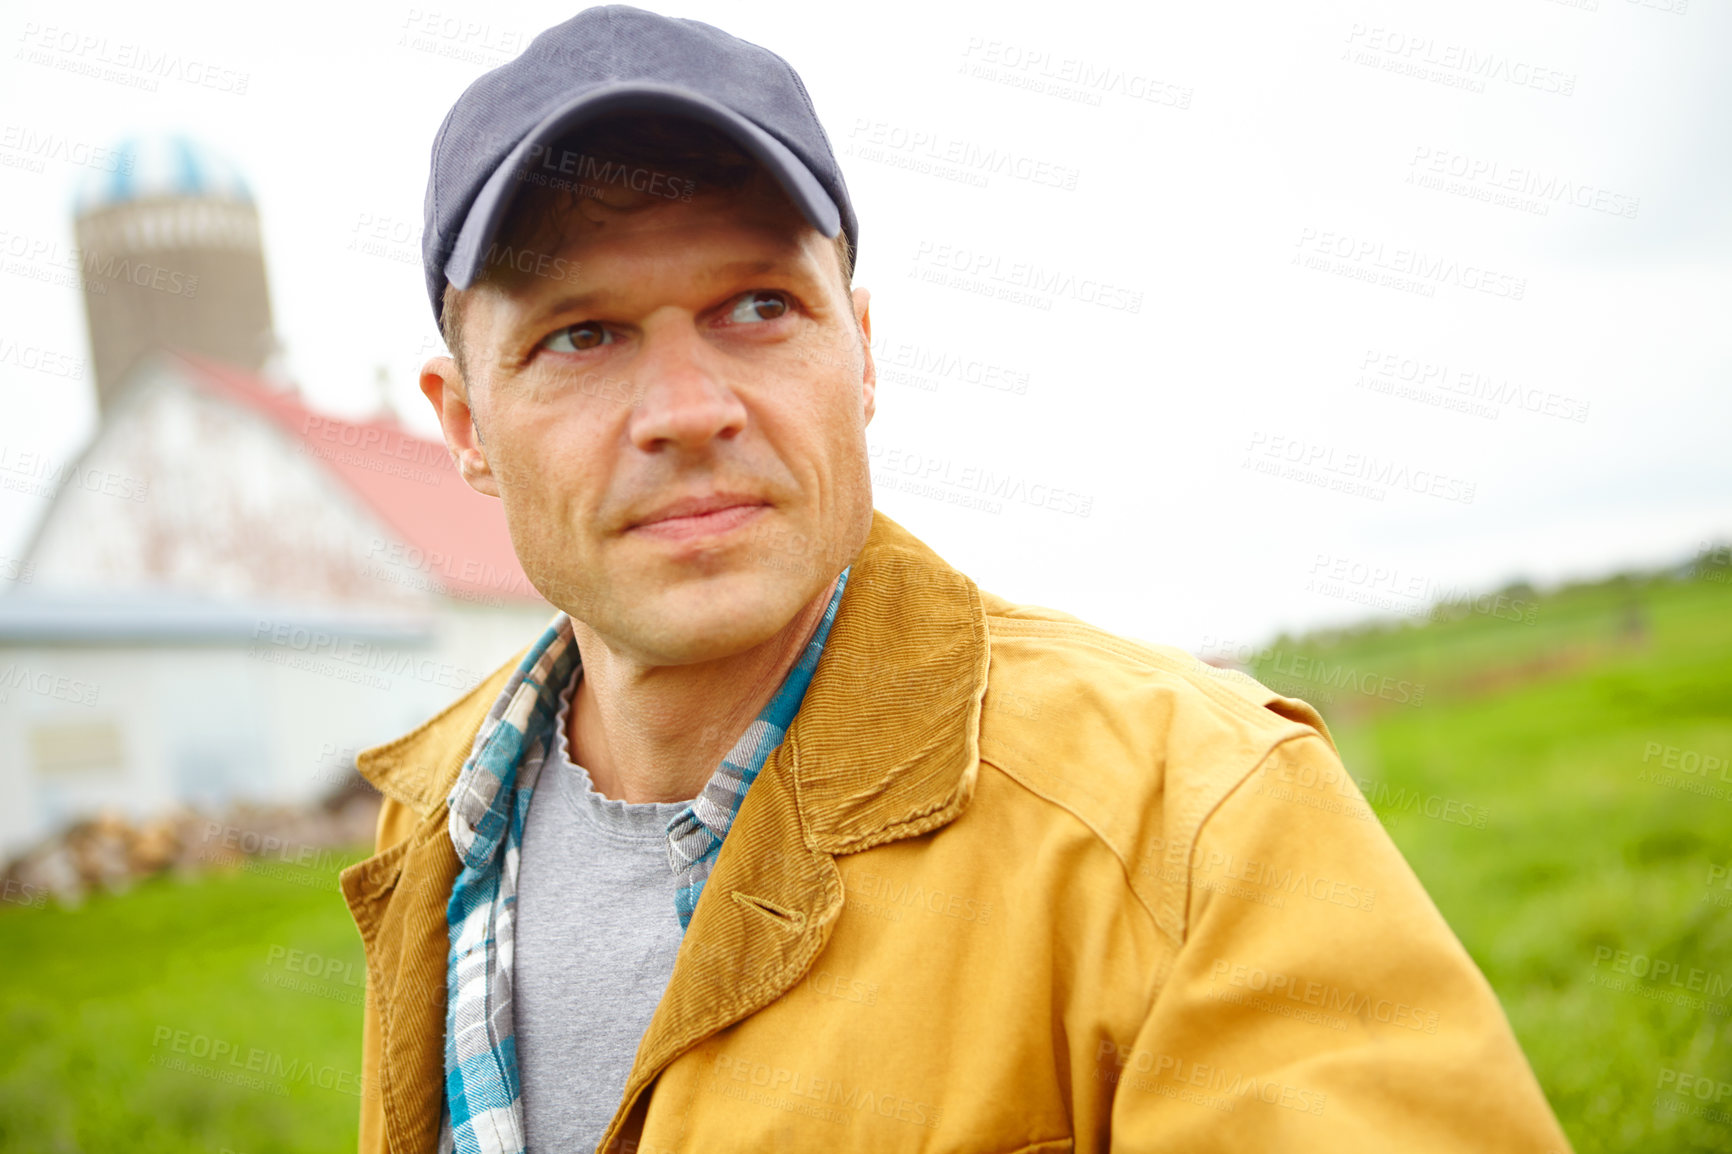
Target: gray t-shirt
(596, 938)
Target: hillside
(1589, 742)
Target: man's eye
(758, 306)
(578, 338)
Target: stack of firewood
(111, 851)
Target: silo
(170, 256)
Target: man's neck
(651, 733)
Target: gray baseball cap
(609, 60)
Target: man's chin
(709, 619)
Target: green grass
(1545, 727)
(98, 1002)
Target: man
(785, 836)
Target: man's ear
(443, 386)
(869, 371)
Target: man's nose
(683, 398)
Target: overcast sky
(1417, 295)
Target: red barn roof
(409, 482)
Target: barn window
(76, 748)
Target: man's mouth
(700, 516)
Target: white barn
(230, 593)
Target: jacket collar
(886, 743)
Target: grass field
(1597, 880)
(215, 1015)
(1585, 739)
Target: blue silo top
(170, 165)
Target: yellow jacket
(1011, 883)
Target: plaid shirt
(489, 803)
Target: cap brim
(488, 213)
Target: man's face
(675, 422)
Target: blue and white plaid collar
(489, 803)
